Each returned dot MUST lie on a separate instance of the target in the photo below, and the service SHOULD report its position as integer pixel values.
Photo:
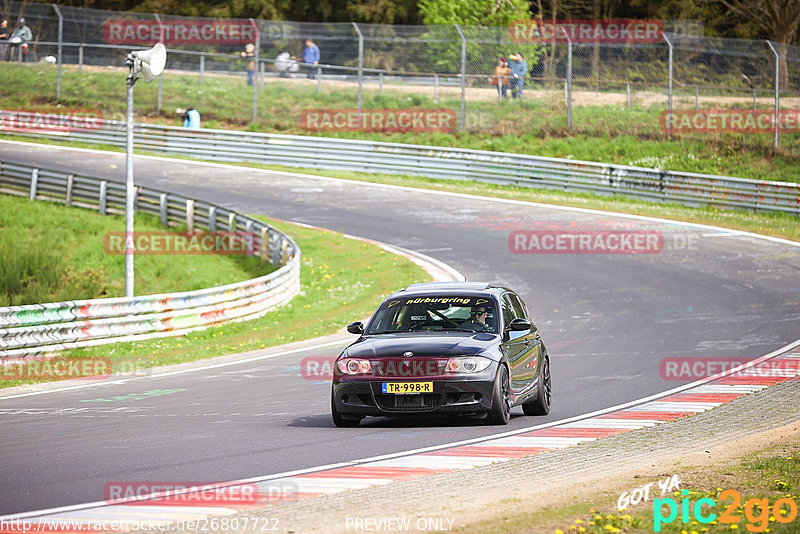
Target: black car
(443, 348)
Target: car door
(528, 359)
(514, 346)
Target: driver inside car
(477, 320)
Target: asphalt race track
(608, 321)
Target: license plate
(405, 388)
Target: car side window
(508, 310)
(519, 308)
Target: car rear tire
(341, 420)
(541, 406)
(501, 399)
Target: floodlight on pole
(145, 64)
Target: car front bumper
(467, 395)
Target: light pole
(146, 64)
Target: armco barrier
(447, 163)
(40, 328)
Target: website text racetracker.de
(14, 120)
(379, 120)
(585, 242)
(586, 31)
(203, 524)
(730, 121)
(200, 31)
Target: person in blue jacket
(310, 58)
(519, 70)
(192, 118)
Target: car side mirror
(356, 327)
(519, 324)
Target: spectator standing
(500, 79)
(519, 70)
(3, 39)
(192, 118)
(310, 58)
(24, 34)
(250, 54)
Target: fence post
(436, 88)
(629, 93)
(34, 181)
(160, 76)
(103, 197)
(669, 99)
(319, 80)
(212, 219)
(80, 58)
(696, 97)
(569, 79)
(162, 209)
(463, 118)
(754, 102)
(190, 215)
(777, 90)
(60, 41)
(263, 244)
(255, 82)
(360, 67)
(202, 65)
(68, 200)
(380, 83)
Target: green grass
(342, 280)
(53, 253)
(536, 126)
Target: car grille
(409, 403)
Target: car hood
(422, 344)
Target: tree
(473, 12)
(778, 19)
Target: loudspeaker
(151, 62)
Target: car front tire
(341, 420)
(501, 399)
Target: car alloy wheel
(501, 399)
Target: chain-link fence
(585, 87)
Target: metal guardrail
(446, 163)
(41, 328)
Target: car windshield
(435, 313)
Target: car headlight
(354, 366)
(467, 364)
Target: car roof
(430, 288)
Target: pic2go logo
(756, 511)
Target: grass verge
(760, 480)
(52, 253)
(341, 279)
(537, 125)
